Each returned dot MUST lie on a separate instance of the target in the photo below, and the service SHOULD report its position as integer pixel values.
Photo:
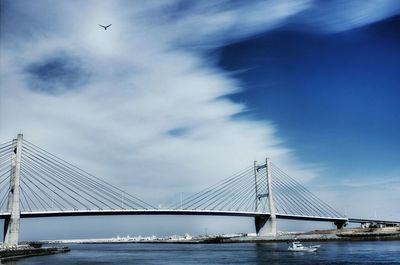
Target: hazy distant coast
(346, 234)
(389, 233)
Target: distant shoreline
(347, 234)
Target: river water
(362, 252)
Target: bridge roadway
(41, 214)
(360, 220)
(169, 212)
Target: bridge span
(38, 214)
(34, 183)
(71, 213)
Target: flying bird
(105, 27)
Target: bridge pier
(340, 224)
(11, 224)
(265, 226)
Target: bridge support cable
(49, 183)
(310, 202)
(43, 189)
(297, 197)
(6, 154)
(247, 201)
(38, 198)
(213, 198)
(284, 202)
(5, 162)
(317, 201)
(27, 198)
(301, 203)
(4, 200)
(55, 174)
(91, 183)
(238, 193)
(24, 201)
(224, 194)
(4, 190)
(295, 202)
(67, 186)
(240, 198)
(47, 187)
(197, 197)
(230, 195)
(7, 148)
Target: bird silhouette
(105, 27)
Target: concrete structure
(266, 226)
(11, 223)
(256, 186)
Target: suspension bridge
(36, 183)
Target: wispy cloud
(152, 114)
(341, 15)
(373, 183)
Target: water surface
(373, 252)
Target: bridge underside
(193, 213)
(171, 212)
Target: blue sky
(334, 97)
(203, 88)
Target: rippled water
(373, 252)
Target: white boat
(297, 246)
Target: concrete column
(256, 185)
(11, 224)
(271, 204)
(340, 224)
(266, 226)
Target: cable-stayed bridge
(36, 183)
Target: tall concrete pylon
(266, 226)
(256, 185)
(11, 224)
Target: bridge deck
(40, 214)
(168, 212)
(361, 220)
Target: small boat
(297, 246)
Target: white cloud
(143, 85)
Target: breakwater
(28, 251)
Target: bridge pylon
(265, 226)
(12, 223)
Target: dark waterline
(373, 252)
